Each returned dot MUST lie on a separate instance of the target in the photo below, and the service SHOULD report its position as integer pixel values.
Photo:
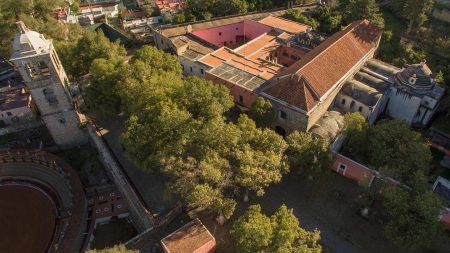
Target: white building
(40, 67)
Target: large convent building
(310, 79)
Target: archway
(279, 130)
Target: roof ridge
(352, 25)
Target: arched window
(343, 101)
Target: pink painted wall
(248, 96)
(355, 171)
(227, 34)
(446, 217)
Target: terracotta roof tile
(284, 24)
(324, 66)
(188, 238)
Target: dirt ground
(112, 233)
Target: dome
(26, 41)
(416, 76)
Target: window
(295, 58)
(237, 28)
(342, 168)
(119, 206)
(112, 194)
(32, 72)
(343, 101)
(352, 104)
(106, 209)
(285, 53)
(98, 210)
(360, 109)
(9, 113)
(241, 99)
(91, 201)
(202, 71)
(220, 34)
(191, 70)
(283, 115)
(100, 197)
(43, 68)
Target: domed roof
(27, 41)
(417, 76)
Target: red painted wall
(229, 33)
(354, 171)
(235, 90)
(446, 217)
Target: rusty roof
(313, 76)
(188, 238)
(284, 24)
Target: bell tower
(40, 67)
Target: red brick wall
(354, 170)
(235, 90)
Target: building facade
(41, 69)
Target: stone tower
(39, 66)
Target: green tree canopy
(411, 220)
(157, 59)
(297, 16)
(391, 147)
(309, 155)
(115, 249)
(417, 11)
(255, 232)
(364, 9)
(262, 112)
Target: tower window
(43, 68)
(32, 72)
(220, 34)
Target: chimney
(22, 27)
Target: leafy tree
(115, 249)
(157, 59)
(255, 232)
(411, 220)
(262, 112)
(80, 54)
(329, 21)
(309, 155)
(102, 93)
(416, 11)
(388, 146)
(297, 16)
(364, 9)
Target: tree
(115, 249)
(157, 59)
(364, 9)
(309, 155)
(416, 11)
(255, 232)
(297, 16)
(80, 54)
(411, 220)
(102, 93)
(388, 147)
(262, 112)
(329, 21)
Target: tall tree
(364, 9)
(157, 59)
(309, 155)
(410, 219)
(255, 232)
(262, 112)
(417, 11)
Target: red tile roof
(284, 24)
(323, 67)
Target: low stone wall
(140, 216)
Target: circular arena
(42, 207)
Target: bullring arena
(43, 207)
